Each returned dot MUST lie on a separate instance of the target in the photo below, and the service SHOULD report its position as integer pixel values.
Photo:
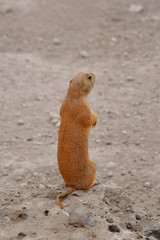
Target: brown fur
(77, 170)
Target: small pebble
(98, 140)
(38, 98)
(89, 222)
(84, 54)
(151, 238)
(54, 115)
(76, 215)
(147, 184)
(135, 8)
(130, 79)
(41, 186)
(124, 132)
(5, 173)
(54, 121)
(49, 49)
(108, 143)
(113, 39)
(155, 18)
(90, 40)
(111, 164)
(105, 70)
(20, 122)
(52, 194)
(109, 219)
(23, 184)
(126, 54)
(110, 174)
(39, 135)
(6, 219)
(28, 127)
(127, 115)
(142, 118)
(56, 41)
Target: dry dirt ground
(123, 51)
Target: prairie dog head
(81, 84)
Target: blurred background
(43, 45)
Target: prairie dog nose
(92, 77)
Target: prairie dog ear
(70, 81)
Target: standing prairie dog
(77, 170)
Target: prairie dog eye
(90, 77)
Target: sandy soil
(122, 49)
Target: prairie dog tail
(65, 193)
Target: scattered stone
(115, 209)
(113, 39)
(134, 227)
(41, 186)
(37, 143)
(18, 179)
(90, 222)
(39, 39)
(38, 98)
(113, 228)
(28, 127)
(6, 219)
(155, 18)
(139, 214)
(84, 54)
(20, 122)
(54, 115)
(4, 173)
(143, 119)
(39, 135)
(76, 215)
(90, 40)
(98, 140)
(110, 174)
(29, 139)
(6, 8)
(153, 231)
(151, 238)
(130, 79)
(49, 49)
(54, 121)
(23, 184)
(18, 215)
(109, 219)
(52, 194)
(124, 132)
(108, 143)
(13, 139)
(137, 227)
(56, 41)
(147, 184)
(111, 164)
(126, 54)
(135, 8)
(105, 70)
